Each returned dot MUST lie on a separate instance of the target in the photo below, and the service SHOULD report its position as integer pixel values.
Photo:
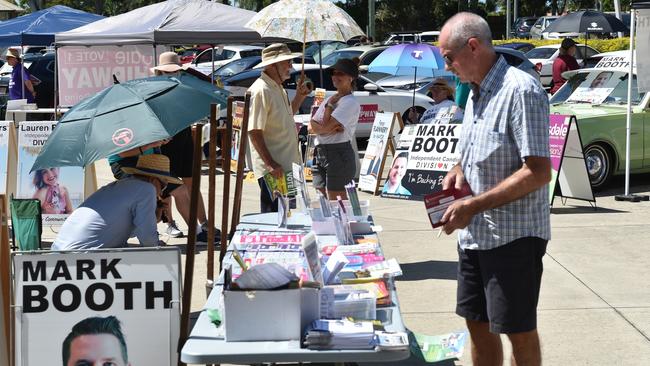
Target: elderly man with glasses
(505, 226)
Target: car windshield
(235, 67)
(597, 87)
(544, 52)
(335, 56)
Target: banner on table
(423, 156)
(568, 165)
(83, 71)
(372, 165)
(643, 50)
(60, 190)
(4, 154)
(55, 290)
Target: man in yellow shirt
(272, 130)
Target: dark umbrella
(125, 116)
(587, 21)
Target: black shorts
(501, 285)
(180, 153)
(335, 166)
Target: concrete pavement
(595, 300)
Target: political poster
(237, 120)
(368, 112)
(83, 71)
(60, 189)
(130, 296)
(424, 155)
(643, 50)
(568, 165)
(596, 87)
(4, 154)
(372, 164)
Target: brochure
(439, 348)
(437, 203)
(284, 184)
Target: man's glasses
(449, 59)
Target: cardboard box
(278, 315)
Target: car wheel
(405, 115)
(600, 163)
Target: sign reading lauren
(424, 155)
(61, 296)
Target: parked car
(429, 37)
(519, 46)
(223, 55)
(521, 27)
(247, 63)
(41, 67)
(401, 37)
(544, 56)
(188, 55)
(368, 94)
(327, 47)
(422, 84)
(537, 30)
(601, 113)
(366, 55)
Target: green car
(598, 98)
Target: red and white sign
(368, 112)
(83, 71)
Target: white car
(222, 55)
(544, 56)
(372, 97)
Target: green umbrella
(125, 116)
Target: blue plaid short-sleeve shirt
(506, 120)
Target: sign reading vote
(424, 155)
(83, 71)
(54, 291)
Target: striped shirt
(506, 120)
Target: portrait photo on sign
(96, 340)
(601, 87)
(396, 174)
(60, 189)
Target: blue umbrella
(125, 116)
(410, 59)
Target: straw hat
(276, 52)
(12, 52)
(153, 165)
(168, 62)
(441, 82)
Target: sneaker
(173, 231)
(202, 237)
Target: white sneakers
(173, 231)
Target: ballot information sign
(54, 291)
(60, 190)
(372, 164)
(424, 155)
(83, 71)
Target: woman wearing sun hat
(443, 95)
(120, 209)
(334, 124)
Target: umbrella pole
(304, 41)
(320, 61)
(191, 240)
(415, 76)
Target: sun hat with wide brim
(274, 53)
(168, 62)
(12, 52)
(445, 84)
(153, 165)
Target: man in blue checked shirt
(505, 226)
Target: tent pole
(56, 83)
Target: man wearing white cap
(272, 129)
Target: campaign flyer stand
(384, 129)
(568, 165)
(238, 115)
(60, 190)
(424, 155)
(53, 291)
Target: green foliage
(602, 45)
